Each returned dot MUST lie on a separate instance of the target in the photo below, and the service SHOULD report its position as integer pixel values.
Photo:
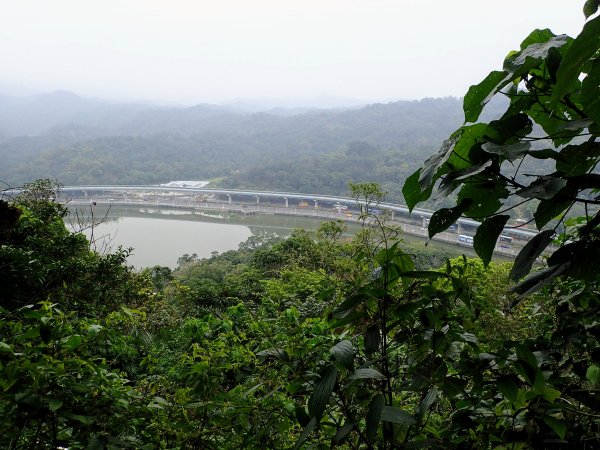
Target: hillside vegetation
(318, 151)
(310, 341)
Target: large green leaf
(444, 217)
(558, 426)
(590, 92)
(454, 386)
(529, 253)
(582, 257)
(553, 61)
(460, 151)
(510, 126)
(539, 279)
(366, 374)
(72, 342)
(54, 404)
(483, 197)
(374, 417)
(593, 374)
(467, 151)
(590, 7)
(536, 48)
(576, 160)
(434, 162)
(509, 152)
(386, 255)
(310, 426)
(508, 385)
(348, 306)
(343, 432)
(585, 181)
(343, 353)
(581, 50)
(372, 340)
(426, 402)
(553, 124)
(449, 182)
(403, 263)
(478, 95)
(320, 396)
(487, 235)
(575, 125)
(551, 208)
(545, 188)
(86, 420)
(589, 227)
(527, 365)
(396, 415)
(543, 154)
(412, 190)
(519, 63)
(520, 101)
(524, 354)
(537, 36)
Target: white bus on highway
(464, 239)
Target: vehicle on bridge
(465, 239)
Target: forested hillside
(316, 151)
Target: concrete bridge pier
(229, 198)
(257, 200)
(286, 202)
(316, 204)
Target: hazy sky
(189, 51)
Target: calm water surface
(161, 242)
(160, 237)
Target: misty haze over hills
(37, 113)
(83, 141)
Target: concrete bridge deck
(265, 202)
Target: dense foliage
(308, 341)
(95, 355)
(553, 83)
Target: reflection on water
(161, 236)
(162, 242)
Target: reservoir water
(162, 242)
(161, 236)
